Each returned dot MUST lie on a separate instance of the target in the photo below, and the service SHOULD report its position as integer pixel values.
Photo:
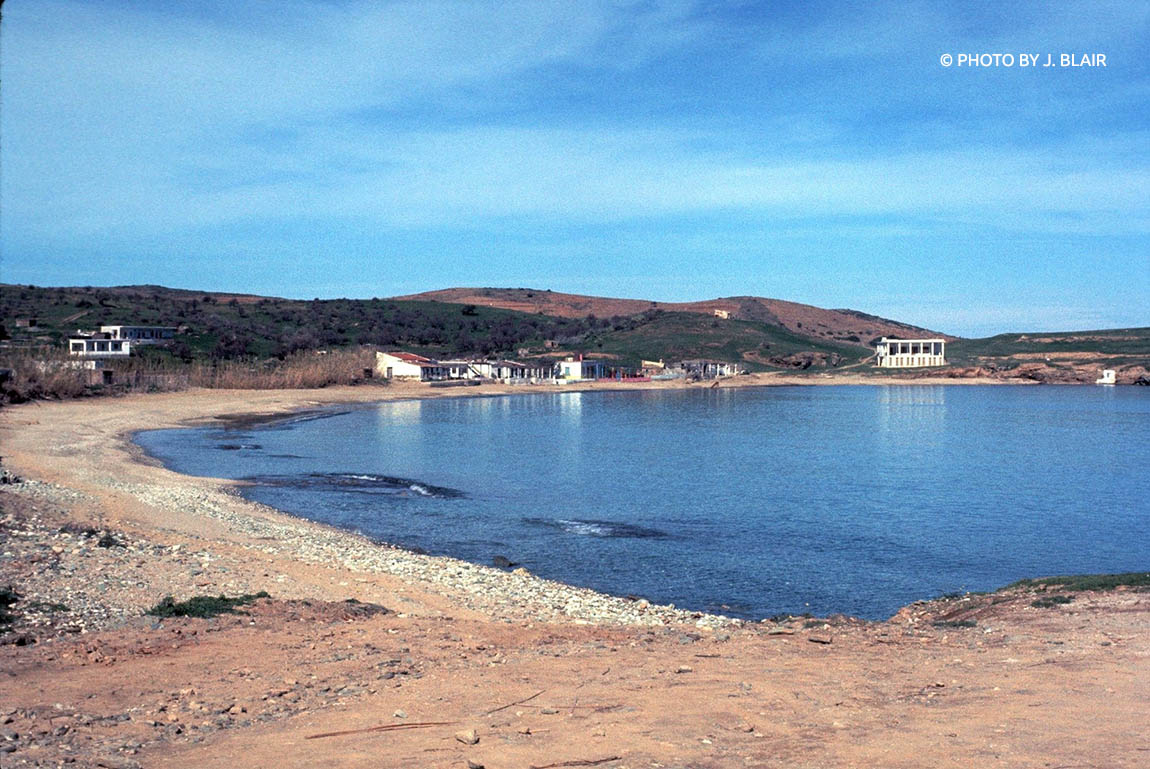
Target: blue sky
(816, 152)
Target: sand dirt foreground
(474, 666)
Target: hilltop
(849, 326)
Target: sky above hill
(815, 152)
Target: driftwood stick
(577, 706)
(517, 702)
(579, 762)
(383, 728)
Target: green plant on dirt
(203, 606)
(1051, 601)
(8, 597)
(1079, 582)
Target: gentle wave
(358, 483)
(597, 528)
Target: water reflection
(911, 416)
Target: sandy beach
(367, 655)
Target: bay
(749, 502)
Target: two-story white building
(910, 353)
(98, 346)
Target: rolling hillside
(761, 333)
(848, 326)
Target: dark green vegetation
(223, 327)
(673, 336)
(203, 606)
(8, 597)
(1078, 582)
(1127, 345)
(1051, 601)
(954, 623)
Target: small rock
(524, 730)
(474, 764)
(820, 639)
(780, 631)
(684, 669)
(548, 711)
(521, 572)
(400, 714)
(467, 737)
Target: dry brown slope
(800, 318)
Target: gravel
(106, 586)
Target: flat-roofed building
(140, 334)
(98, 346)
(910, 353)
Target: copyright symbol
(945, 60)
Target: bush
(8, 596)
(1052, 601)
(203, 606)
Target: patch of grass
(787, 617)
(955, 623)
(1133, 342)
(1079, 582)
(8, 596)
(685, 335)
(203, 605)
(1051, 601)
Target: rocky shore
(90, 576)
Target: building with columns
(910, 353)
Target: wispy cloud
(218, 128)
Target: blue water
(752, 502)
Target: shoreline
(492, 591)
(214, 503)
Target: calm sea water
(752, 502)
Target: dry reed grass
(47, 373)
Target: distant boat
(1107, 378)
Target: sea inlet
(748, 502)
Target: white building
(98, 346)
(910, 353)
(577, 368)
(140, 334)
(408, 365)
